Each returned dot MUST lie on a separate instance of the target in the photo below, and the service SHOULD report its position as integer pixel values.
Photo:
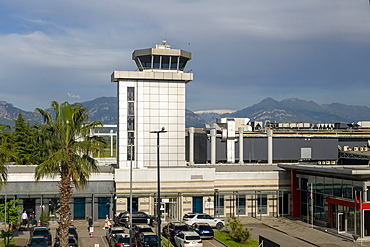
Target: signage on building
(209, 204)
(166, 200)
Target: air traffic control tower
(149, 99)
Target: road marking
(104, 241)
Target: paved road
(212, 243)
(276, 236)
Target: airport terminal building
(231, 167)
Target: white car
(193, 219)
(188, 239)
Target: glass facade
(343, 218)
(130, 123)
(162, 62)
(262, 203)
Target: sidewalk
(318, 236)
(84, 239)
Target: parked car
(120, 240)
(204, 230)
(147, 239)
(173, 228)
(113, 231)
(137, 218)
(193, 219)
(137, 230)
(37, 241)
(71, 231)
(42, 231)
(72, 241)
(188, 239)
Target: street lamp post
(159, 188)
(131, 141)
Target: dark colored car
(71, 231)
(37, 241)
(72, 242)
(113, 231)
(122, 240)
(137, 230)
(204, 230)
(137, 218)
(42, 231)
(173, 228)
(147, 239)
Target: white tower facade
(149, 99)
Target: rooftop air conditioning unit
(355, 148)
(319, 162)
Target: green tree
(24, 139)
(12, 217)
(237, 231)
(5, 152)
(70, 155)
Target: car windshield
(38, 241)
(188, 216)
(71, 241)
(40, 233)
(146, 229)
(72, 231)
(118, 231)
(150, 238)
(181, 228)
(205, 228)
(192, 238)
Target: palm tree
(69, 156)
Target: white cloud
(73, 96)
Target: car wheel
(219, 226)
(193, 226)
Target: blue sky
(243, 51)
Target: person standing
(33, 218)
(106, 226)
(24, 218)
(91, 222)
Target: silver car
(193, 219)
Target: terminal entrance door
(341, 222)
(169, 209)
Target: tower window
(156, 62)
(165, 62)
(130, 94)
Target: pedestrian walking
(116, 220)
(91, 222)
(24, 218)
(33, 218)
(106, 226)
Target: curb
(220, 242)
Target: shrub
(236, 230)
(44, 218)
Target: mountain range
(104, 109)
